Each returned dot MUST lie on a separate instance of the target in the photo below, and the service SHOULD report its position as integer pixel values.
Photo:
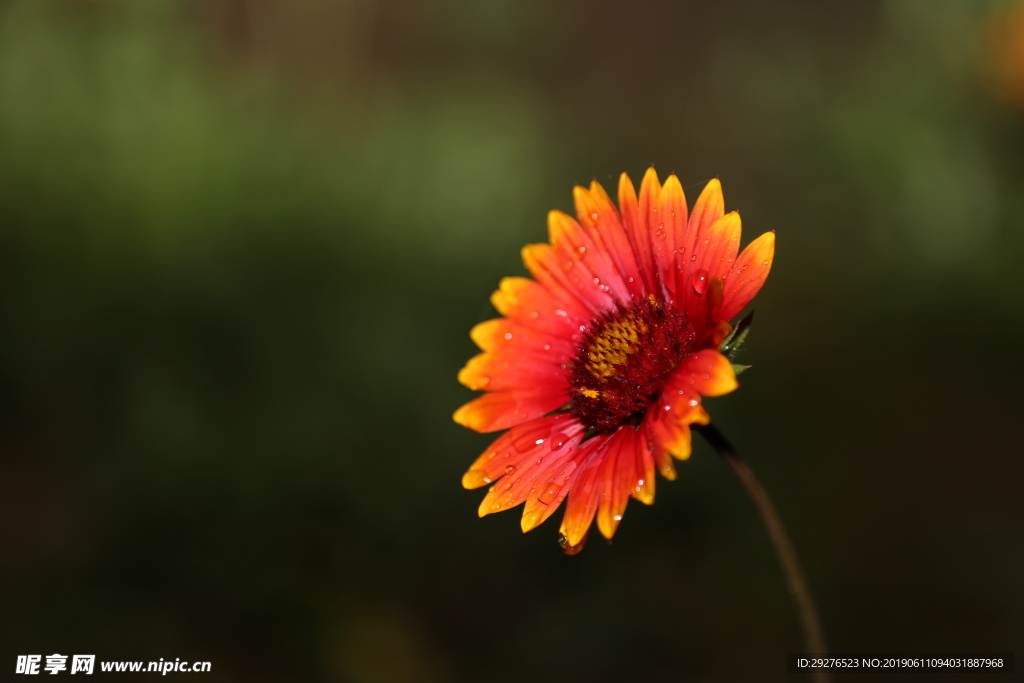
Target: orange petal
(502, 370)
(503, 409)
(502, 334)
(518, 445)
(593, 265)
(616, 480)
(650, 191)
(583, 498)
(636, 232)
(543, 471)
(643, 490)
(561, 274)
(668, 227)
(710, 206)
(531, 304)
(599, 218)
(749, 274)
(707, 372)
(669, 419)
(662, 458)
(719, 246)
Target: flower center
(623, 361)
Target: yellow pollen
(590, 393)
(616, 341)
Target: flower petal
(593, 263)
(719, 246)
(707, 372)
(497, 410)
(518, 445)
(668, 231)
(637, 233)
(749, 273)
(709, 207)
(599, 218)
(583, 497)
(616, 480)
(504, 370)
(501, 334)
(650, 192)
(529, 303)
(558, 273)
(543, 466)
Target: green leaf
(739, 369)
(736, 337)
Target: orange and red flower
(598, 367)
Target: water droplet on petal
(558, 440)
(510, 469)
(549, 492)
(700, 281)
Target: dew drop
(693, 402)
(510, 469)
(538, 442)
(583, 250)
(700, 281)
(558, 440)
(547, 347)
(594, 216)
(630, 278)
(560, 313)
(508, 335)
(549, 492)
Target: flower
(598, 366)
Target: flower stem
(814, 636)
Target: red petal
(559, 273)
(592, 263)
(519, 444)
(599, 218)
(539, 464)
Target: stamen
(622, 363)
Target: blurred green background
(241, 247)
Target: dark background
(241, 247)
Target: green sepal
(739, 369)
(739, 333)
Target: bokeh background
(242, 243)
